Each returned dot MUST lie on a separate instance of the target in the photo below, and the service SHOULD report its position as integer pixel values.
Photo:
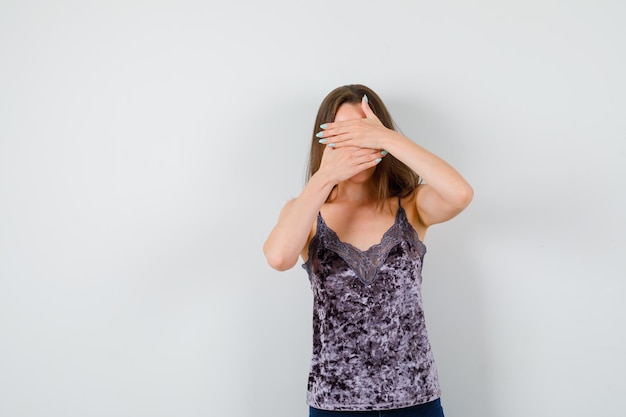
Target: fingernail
(322, 141)
(383, 153)
(331, 145)
(366, 99)
(323, 126)
(319, 134)
(378, 160)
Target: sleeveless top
(370, 346)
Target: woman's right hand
(288, 239)
(341, 164)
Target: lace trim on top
(365, 264)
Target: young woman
(358, 225)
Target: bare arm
(289, 237)
(291, 233)
(445, 192)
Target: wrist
(322, 180)
(389, 142)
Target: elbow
(466, 196)
(278, 261)
(463, 197)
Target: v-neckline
(373, 247)
(365, 264)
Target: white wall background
(146, 148)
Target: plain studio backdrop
(146, 148)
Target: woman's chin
(363, 176)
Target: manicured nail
(322, 141)
(383, 153)
(378, 160)
(366, 99)
(319, 134)
(323, 126)
(331, 145)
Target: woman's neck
(362, 193)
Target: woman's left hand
(363, 133)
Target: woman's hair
(392, 178)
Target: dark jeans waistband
(430, 409)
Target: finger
(354, 165)
(327, 149)
(332, 130)
(337, 142)
(352, 153)
(333, 126)
(369, 161)
(359, 157)
(324, 136)
(366, 108)
(362, 152)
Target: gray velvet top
(370, 346)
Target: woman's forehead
(349, 111)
